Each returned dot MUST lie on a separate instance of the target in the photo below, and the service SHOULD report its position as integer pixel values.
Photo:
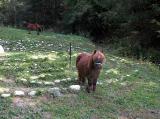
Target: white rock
(1, 49)
(33, 82)
(64, 80)
(4, 90)
(76, 78)
(34, 77)
(109, 81)
(23, 80)
(99, 83)
(5, 95)
(136, 71)
(55, 91)
(113, 59)
(42, 75)
(57, 81)
(39, 82)
(64, 89)
(123, 83)
(75, 88)
(69, 79)
(19, 93)
(32, 93)
(48, 83)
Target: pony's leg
(29, 31)
(83, 80)
(38, 31)
(79, 78)
(94, 84)
(89, 87)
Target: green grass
(129, 86)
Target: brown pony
(37, 27)
(89, 66)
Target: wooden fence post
(70, 54)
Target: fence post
(70, 53)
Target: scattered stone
(75, 88)
(1, 49)
(138, 118)
(42, 75)
(123, 83)
(49, 83)
(99, 83)
(64, 90)
(5, 95)
(23, 80)
(32, 93)
(19, 93)
(33, 82)
(34, 77)
(64, 80)
(39, 82)
(69, 79)
(136, 71)
(76, 78)
(2, 90)
(113, 59)
(57, 81)
(109, 81)
(55, 91)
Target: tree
(47, 12)
(12, 11)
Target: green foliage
(133, 25)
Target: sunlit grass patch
(52, 65)
(33, 61)
(2, 90)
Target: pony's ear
(94, 51)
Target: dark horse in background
(33, 27)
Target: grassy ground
(129, 89)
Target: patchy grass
(129, 89)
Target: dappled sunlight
(50, 56)
(43, 75)
(30, 66)
(127, 61)
(112, 59)
(128, 75)
(113, 80)
(122, 77)
(136, 71)
(121, 60)
(123, 83)
(25, 102)
(34, 77)
(70, 73)
(2, 89)
(74, 54)
(114, 71)
(151, 83)
(1, 78)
